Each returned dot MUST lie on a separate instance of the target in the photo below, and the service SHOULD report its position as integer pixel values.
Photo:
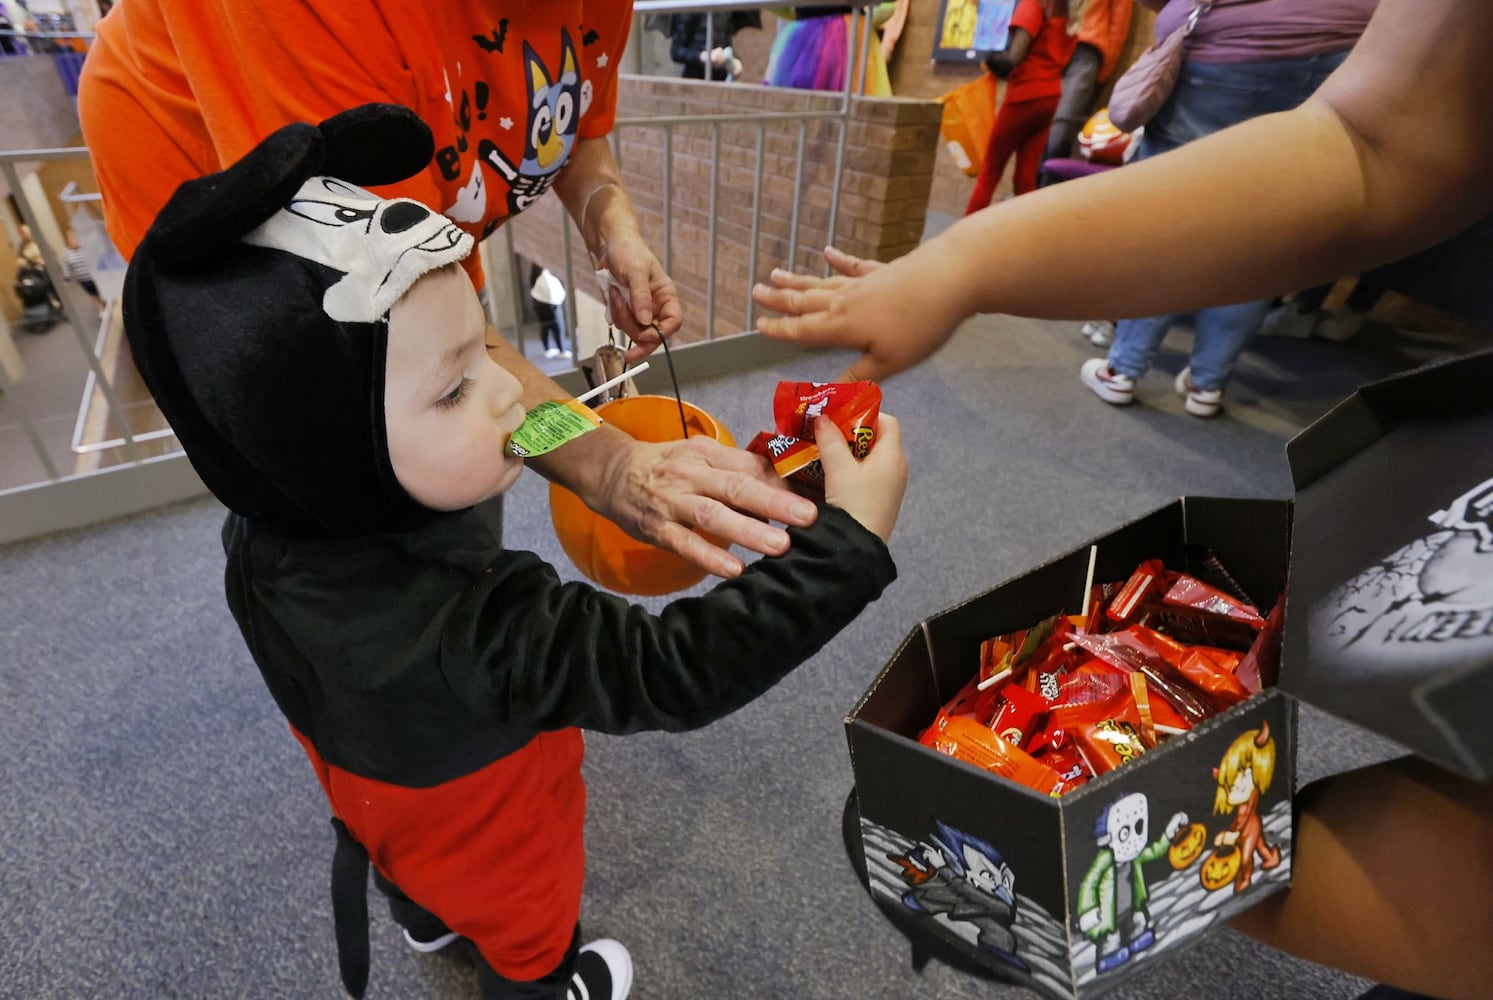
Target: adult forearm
(579, 465)
(1184, 229)
(591, 189)
(1367, 171)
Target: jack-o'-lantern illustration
(598, 547)
(1220, 867)
(1187, 845)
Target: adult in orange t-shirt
(520, 97)
(1101, 37)
(1032, 62)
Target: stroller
(41, 309)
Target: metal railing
(106, 469)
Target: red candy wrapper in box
(853, 406)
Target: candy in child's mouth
(550, 425)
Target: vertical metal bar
(569, 308)
(519, 284)
(69, 307)
(834, 197)
(710, 237)
(798, 197)
(849, 84)
(865, 67)
(751, 317)
(668, 199)
(709, 67)
(9, 388)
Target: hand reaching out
(895, 314)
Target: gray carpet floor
(164, 837)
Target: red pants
(1020, 128)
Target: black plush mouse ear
(209, 213)
(376, 144)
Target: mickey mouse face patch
(381, 246)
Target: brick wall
(888, 173)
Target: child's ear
(376, 144)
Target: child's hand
(869, 490)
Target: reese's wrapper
(790, 446)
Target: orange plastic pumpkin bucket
(604, 552)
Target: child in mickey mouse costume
(319, 354)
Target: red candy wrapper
(1149, 578)
(1190, 592)
(1017, 715)
(853, 406)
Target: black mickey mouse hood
(257, 310)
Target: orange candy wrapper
(965, 739)
(853, 406)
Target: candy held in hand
(790, 446)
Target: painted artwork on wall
(968, 29)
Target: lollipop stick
(611, 382)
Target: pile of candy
(1074, 697)
(853, 406)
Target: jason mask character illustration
(1112, 898)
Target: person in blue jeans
(1225, 81)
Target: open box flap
(1389, 618)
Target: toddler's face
(448, 408)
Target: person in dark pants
(698, 40)
(547, 295)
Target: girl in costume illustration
(1244, 775)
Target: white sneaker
(1112, 387)
(1200, 402)
(1099, 332)
(566, 354)
(426, 947)
(551, 352)
(603, 971)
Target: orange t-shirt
(1106, 26)
(174, 89)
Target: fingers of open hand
(849, 265)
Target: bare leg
(1392, 880)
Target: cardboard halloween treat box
(1074, 774)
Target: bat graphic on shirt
(495, 42)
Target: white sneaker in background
(1099, 332)
(551, 352)
(1200, 402)
(1112, 387)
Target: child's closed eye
(455, 396)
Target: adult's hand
(641, 299)
(659, 492)
(891, 313)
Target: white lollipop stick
(611, 382)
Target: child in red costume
(1038, 49)
(319, 354)
(1243, 775)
